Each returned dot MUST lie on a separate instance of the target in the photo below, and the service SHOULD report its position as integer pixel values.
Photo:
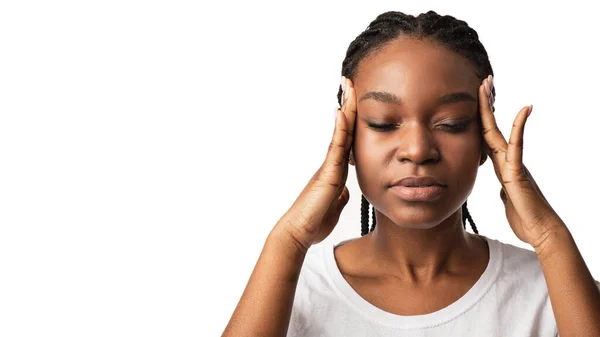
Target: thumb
(337, 152)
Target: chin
(419, 225)
(417, 217)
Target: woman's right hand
(317, 209)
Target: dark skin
(419, 251)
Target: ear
(351, 159)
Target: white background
(148, 147)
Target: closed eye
(453, 128)
(382, 127)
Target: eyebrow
(388, 97)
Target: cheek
(366, 147)
(371, 157)
(462, 156)
(465, 147)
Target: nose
(417, 145)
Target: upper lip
(417, 182)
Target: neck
(423, 255)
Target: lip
(428, 193)
(423, 181)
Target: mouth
(418, 193)
(418, 182)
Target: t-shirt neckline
(439, 317)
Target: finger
(336, 155)
(491, 133)
(349, 109)
(514, 154)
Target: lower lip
(429, 193)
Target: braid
(450, 32)
(364, 216)
(374, 220)
(467, 215)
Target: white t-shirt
(509, 299)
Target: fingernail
(530, 109)
(343, 83)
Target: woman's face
(410, 85)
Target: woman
(416, 121)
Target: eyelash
(453, 128)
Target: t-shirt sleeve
(597, 285)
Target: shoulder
(515, 259)
(320, 276)
(315, 292)
(320, 258)
(518, 264)
(314, 262)
(523, 264)
(520, 271)
(315, 274)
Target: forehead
(407, 65)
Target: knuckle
(334, 162)
(328, 177)
(333, 145)
(519, 143)
(493, 128)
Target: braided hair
(450, 32)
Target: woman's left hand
(529, 214)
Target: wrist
(554, 241)
(288, 237)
